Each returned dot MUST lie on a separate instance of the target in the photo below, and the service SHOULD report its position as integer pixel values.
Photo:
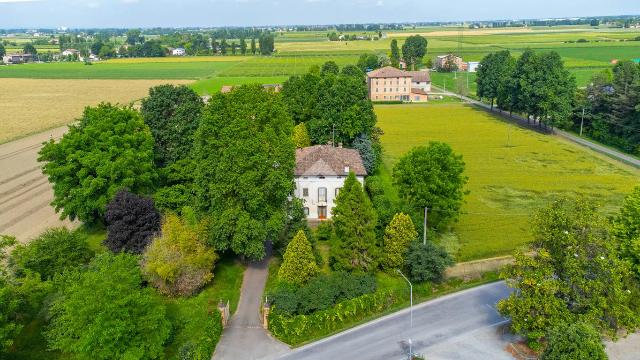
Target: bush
(51, 253)
(397, 236)
(321, 292)
(574, 341)
(426, 262)
(299, 263)
(178, 262)
(202, 348)
(132, 221)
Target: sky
(215, 13)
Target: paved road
(464, 325)
(625, 158)
(25, 192)
(244, 338)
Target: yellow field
(32, 105)
(177, 59)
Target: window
(322, 212)
(322, 194)
(305, 191)
(337, 191)
(306, 211)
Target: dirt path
(25, 193)
(244, 338)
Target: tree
(329, 67)
(494, 72)
(51, 253)
(253, 46)
(3, 52)
(134, 37)
(109, 149)
(173, 115)
(426, 262)
(243, 46)
(397, 236)
(395, 53)
(627, 229)
(354, 246)
(223, 46)
(178, 262)
(574, 341)
(301, 136)
(299, 263)
(352, 70)
(132, 221)
(245, 159)
(105, 313)
(413, 50)
(28, 48)
(300, 93)
(266, 43)
(432, 176)
(368, 62)
(575, 273)
(367, 151)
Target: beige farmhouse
(391, 84)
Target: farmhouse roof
(418, 91)
(387, 72)
(328, 160)
(420, 76)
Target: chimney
(346, 170)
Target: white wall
(424, 85)
(312, 183)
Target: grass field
(32, 105)
(214, 84)
(512, 171)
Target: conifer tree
(354, 245)
(299, 264)
(301, 136)
(397, 237)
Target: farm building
(70, 52)
(391, 84)
(178, 52)
(472, 66)
(320, 174)
(17, 58)
(450, 61)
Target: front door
(322, 212)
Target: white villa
(320, 174)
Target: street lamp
(410, 311)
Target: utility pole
(424, 231)
(445, 84)
(582, 122)
(410, 311)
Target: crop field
(35, 105)
(212, 85)
(285, 65)
(512, 171)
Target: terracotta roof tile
(328, 160)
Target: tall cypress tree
(354, 246)
(395, 53)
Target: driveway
(244, 338)
(25, 193)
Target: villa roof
(420, 76)
(327, 160)
(387, 72)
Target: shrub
(321, 292)
(324, 231)
(178, 262)
(299, 264)
(104, 313)
(51, 253)
(301, 136)
(202, 348)
(426, 262)
(132, 221)
(397, 236)
(574, 341)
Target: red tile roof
(328, 160)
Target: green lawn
(214, 84)
(512, 171)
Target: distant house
(391, 84)
(320, 174)
(472, 66)
(450, 61)
(402, 65)
(178, 52)
(17, 58)
(70, 52)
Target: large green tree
(413, 50)
(28, 48)
(245, 159)
(104, 312)
(627, 229)
(109, 149)
(574, 272)
(173, 114)
(3, 52)
(573, 341)
(354, 246)
(395, 53)
(432, 176)
(494, 72)
(368, 62)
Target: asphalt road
(25, 193)
(464, 325)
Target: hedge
(202, 347)
(300, 328)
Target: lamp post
(410, 310)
